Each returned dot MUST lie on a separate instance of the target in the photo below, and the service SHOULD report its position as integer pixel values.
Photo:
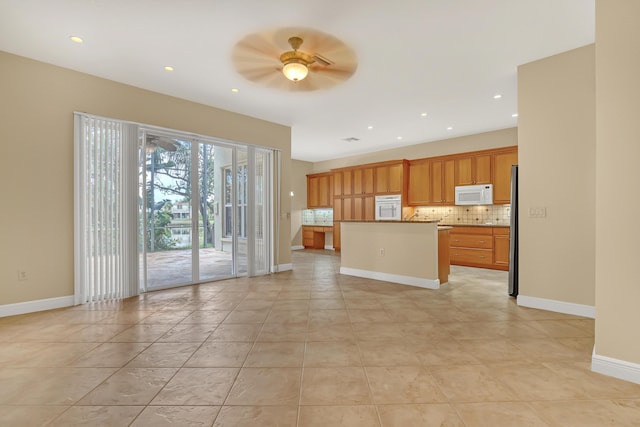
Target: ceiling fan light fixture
(295, 70)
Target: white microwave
(474, 194)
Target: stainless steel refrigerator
(513, 241)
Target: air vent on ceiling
(322, 60)
(351, 139)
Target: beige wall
(36, 178)
(299, 171)
(463, 144)
(556, 152)
(617, 176)
(410, 249)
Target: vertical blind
(261, 218)
(105, 206)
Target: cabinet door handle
(482, 241)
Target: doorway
(204, 210)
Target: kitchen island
(404, 252)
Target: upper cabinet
(392, 178)
(363, 181)
(502, 162)
(320, 190)
(442, 182)
(419, 182)
(473, 169)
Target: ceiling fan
(155, 141)
(295, 59)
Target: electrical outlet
(22, 275)
(381, 251)
(538, 212)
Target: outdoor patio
(173, 267)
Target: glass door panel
(216, 245)
(167, 212)
(240, 221)
(205, 211)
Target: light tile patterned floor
(309, 348)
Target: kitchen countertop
(476, 225)
(430, 221)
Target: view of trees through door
(189, 193)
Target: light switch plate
(538, 212)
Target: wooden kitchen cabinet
(347, 182)
(419, 182)
(502, 162)
(485, 247)
(337, 208)
(336, 236)
(471, 246)
(363, 181)
(363, 208)
(473, 169)
(314, 236)
(501, 247)
(347, 208)
(391, 178)
(337, 184)
(442, 180)
(320, 190)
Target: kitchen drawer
(472, 256)
(471, 241)
(500, 231)
(485, 231)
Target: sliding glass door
(202, 210)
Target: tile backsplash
(488, 214)
(317, 217)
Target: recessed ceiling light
(514, 115)
(450, 128)
(369, 127)
(399, 138)
(234, 90)
(168, 68)
(76, 39)
(497, 96)
(423, 114)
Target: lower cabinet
(313, 236)
(336, 236)
(501, 247)
(485, 247)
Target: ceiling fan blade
(165, 143)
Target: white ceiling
(447, 58)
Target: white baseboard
(615, 368)
(329, 248)
(557, 306)
(395, 278)
(297, 247)
(281, 267)
(36, 305)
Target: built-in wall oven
(389, 208)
